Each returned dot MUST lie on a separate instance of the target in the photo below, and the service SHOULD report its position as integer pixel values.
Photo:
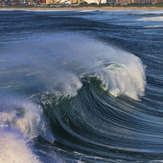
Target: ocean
(81, 86)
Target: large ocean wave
(70, 86)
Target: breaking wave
(67, 81)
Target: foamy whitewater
(81, 86)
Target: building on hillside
(75, 2)
(158, 1)
(121, 2)
(111, 1)
(58, 1)
(92, 1)
(103, 1)
(126, 2)
(96, 1)
(143, 1)
(65, 1)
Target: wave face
(76, 89)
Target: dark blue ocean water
(81, 86)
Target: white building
(96, 1)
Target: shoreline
(81, 8)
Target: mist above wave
(57, 63)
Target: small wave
(158, 18)
(154, 26)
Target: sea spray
(14, 148)
(25, 116)
(58, 66)
(20, 122)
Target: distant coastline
(80, 7)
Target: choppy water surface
(81, 86)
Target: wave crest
(121, 79)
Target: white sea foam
(154, 26)
(67, 84)
(127, 79)
(25, 117)
(123, 78)
(20, 122)
(14, 148)
(156, 18)
(120, 72)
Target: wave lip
(126, 79)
